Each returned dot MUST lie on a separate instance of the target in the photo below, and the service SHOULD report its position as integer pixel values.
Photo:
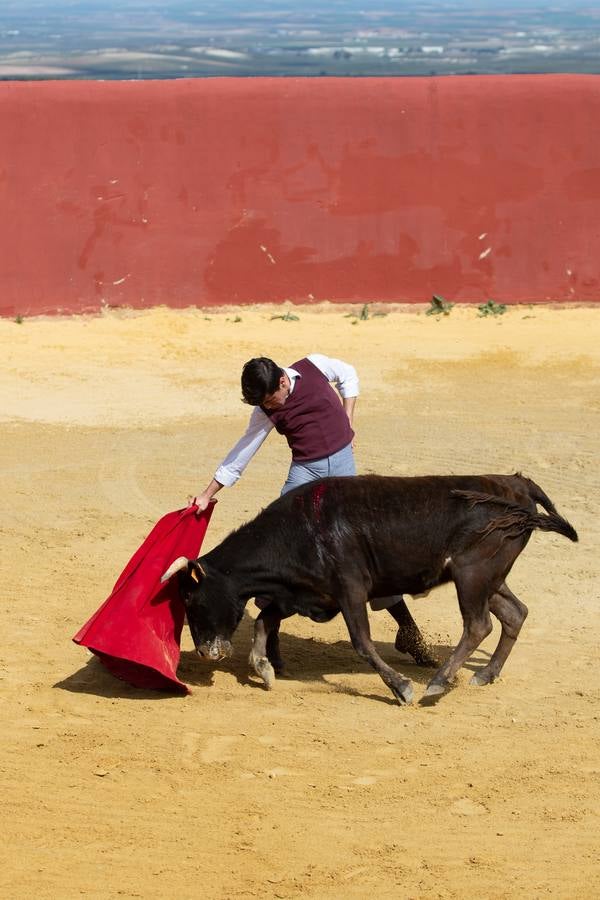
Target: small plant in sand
(364, 314)
(236, 319)
(491, 309)
(439, 306)
(287, 317)
(19, 320)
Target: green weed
(439, 306)
(491, 309)
(287, 317)
(364, 314)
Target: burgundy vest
(312, 419)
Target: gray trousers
(340, 463)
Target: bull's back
(425, 516)
(400, 530)
(371, 499)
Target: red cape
(136, 631)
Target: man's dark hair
(260, 377)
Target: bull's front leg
(409, 638)
(265, 646)
(273, 650)
(354, 611)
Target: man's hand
(206, 497)
(202, 501)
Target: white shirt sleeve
(342, 374)
(239, 456)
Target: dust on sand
(324, 787)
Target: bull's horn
(180, 563)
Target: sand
(324, 787)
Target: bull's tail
(557, 522)
(515, 520)
(554, 522)
(537, 494)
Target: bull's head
(212, 609)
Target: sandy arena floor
(323, 788)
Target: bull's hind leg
(473, 588)
(511, 613)
(266, 636)
(355, 615)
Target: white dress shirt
(340, 373)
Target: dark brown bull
(332, 545)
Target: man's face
(277, 399)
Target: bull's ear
(189, 579)
(195, 570)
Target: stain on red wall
(215, 191)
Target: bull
(332, 545)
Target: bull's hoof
(481, 678)
(263, 669)
(434, 690)
(403, 693)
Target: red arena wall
(218, 191)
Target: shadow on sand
(306, 660)
(93, 678)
